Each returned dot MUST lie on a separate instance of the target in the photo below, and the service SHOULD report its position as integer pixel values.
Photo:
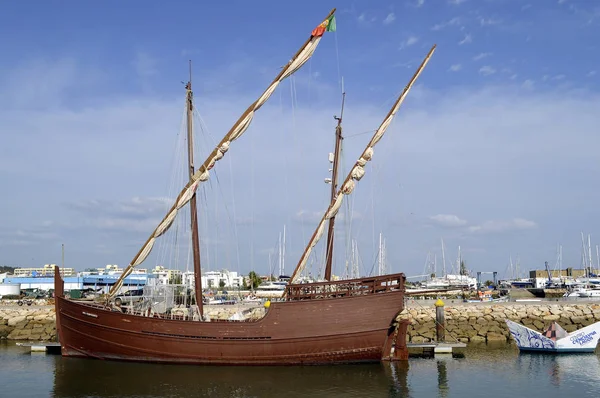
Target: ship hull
(325, 331)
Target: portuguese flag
(327, 25)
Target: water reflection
(486, 370)
(442, 377)
(563, 369)
(85, 378)
(398, 374)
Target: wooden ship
(343, 321)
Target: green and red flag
(327, 25)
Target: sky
(495, 149)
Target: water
(486, 370)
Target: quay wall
(486, 322)
(464, 322)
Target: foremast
(193, 205)
(236, 131)
(357, 172)
(334, 186)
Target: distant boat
(555, 339)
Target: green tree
(221, 284)
(244, 283)
(175, 279)
(255, 280)
(463, 268)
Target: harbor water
(485, 370)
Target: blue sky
(495, 150)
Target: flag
(327, 25)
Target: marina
(235, 200)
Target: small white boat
(555, 339)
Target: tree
(255, 280)
(175, 279)
(244, 283)
(221, 284)
(463, 268)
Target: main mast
(193, 206)
(334, 185)
(237, 130)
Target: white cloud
(420, 3)
(452, 22)
(409, 42)
(455, 67)
(481, 56)
(591, 73)
(468, 39)
(448, 220)
(456, 2)
(363, 19)
(145, 65)
(558, 77)
(499, 226)
(528, 84)
(391, 17)
(489, 21)
(484, 152)
(487, 70)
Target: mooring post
(440, 323)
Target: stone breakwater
(28, 324)
(480, 323)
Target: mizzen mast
(357, 172)
(334, 185)
(193, 205)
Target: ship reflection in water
(84, 378)
(486, 370)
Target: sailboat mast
(334, 181)
(283, 254)
(590, 259)
(443, 259)
(193, 205)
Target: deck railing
(345, 288)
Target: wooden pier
(50, 347)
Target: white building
(214, 279)
(46, 270)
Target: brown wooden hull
(326, 331)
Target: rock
(538, 324)
(553, 317)
(496, 337)
(16, 320)
(5, 331)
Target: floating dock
(435, 349)
(50, 347)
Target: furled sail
(357, 172)
(242, 124)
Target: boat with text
(555, 339)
